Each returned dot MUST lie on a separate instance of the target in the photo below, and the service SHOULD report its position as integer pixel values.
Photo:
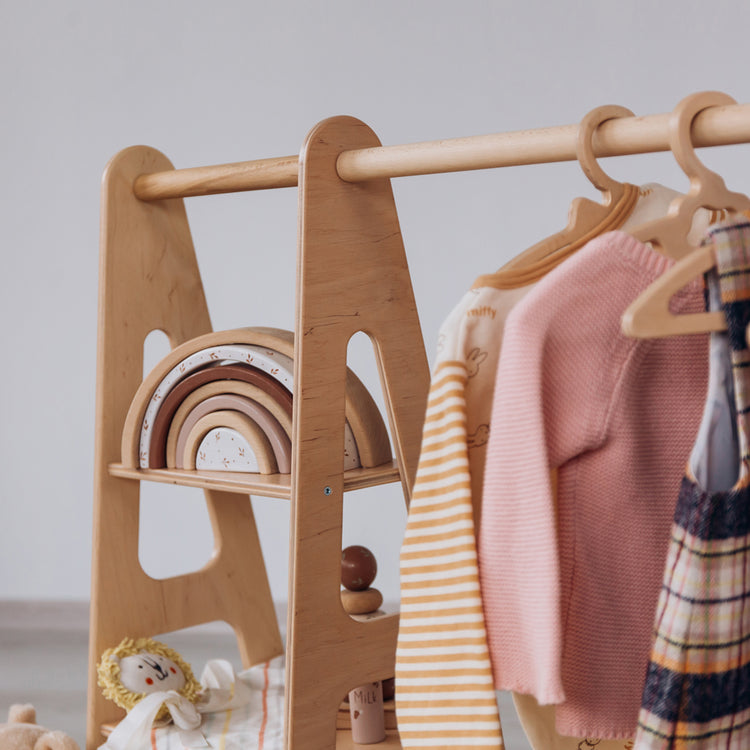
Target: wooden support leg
(352, 276)
(237, 579)
(149, 279)
(232, 587)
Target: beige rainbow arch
(224, 401)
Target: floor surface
(43, 661)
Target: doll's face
(150, 673)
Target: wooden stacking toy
(358, 571)
(223, 402)
(366, 710)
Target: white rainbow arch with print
(223, 402)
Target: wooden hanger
(649, 315)
(586, 218)
(669, 235)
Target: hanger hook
(681, 139)
(585, 147)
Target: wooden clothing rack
(352, 275)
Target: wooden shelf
(266, 485)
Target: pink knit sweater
(570, 581)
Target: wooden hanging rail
(717, 126)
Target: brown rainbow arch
(271, 370)
(157, 456)
(279, 441)
(363, 417)
(225, 388)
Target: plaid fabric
(697, 690)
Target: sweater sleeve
(444, 690)
(553, 385)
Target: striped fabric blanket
(253, 717)
(257, 725)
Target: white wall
(227, 81)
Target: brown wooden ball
(358, 568)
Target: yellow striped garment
(444, 694)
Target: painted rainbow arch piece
(223, 402)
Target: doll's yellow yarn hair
(109, 673)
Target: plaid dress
(697, 690)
